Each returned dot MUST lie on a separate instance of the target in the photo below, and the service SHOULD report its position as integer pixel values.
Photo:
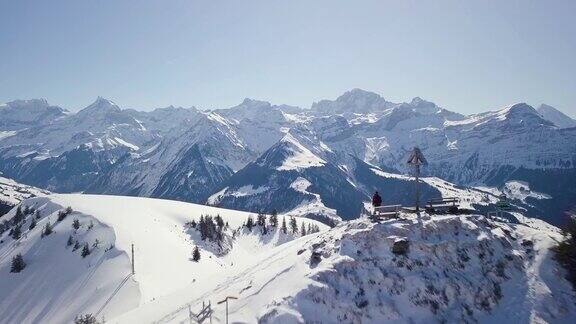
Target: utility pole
(415, 160)
(133, 272)
(226, 301)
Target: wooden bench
(390, 211)
(449, 204)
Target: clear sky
(467, 56)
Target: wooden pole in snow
(226, 301)
(133, 272)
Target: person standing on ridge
(376, 200)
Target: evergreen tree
(250, 223)
(47, 229)
(96, 244)
(303, 229)
(261, 220)
(196, 254)
(284, 228)
(32, 224)
(61, 215)
(37, 214)
(219, 221)
(90, 225)
(18, 217)
(293, 225)
(18, 264)
(76, 224)
(274, 218)
(70, 241)
(76, 246)
(16, 232)
(85, 250)
(4, 226)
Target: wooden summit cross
(415, 160)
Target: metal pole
(133, 272)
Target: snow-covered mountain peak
(23, 103)
(521, 113)
(101, 105)
(290, 154)
(357, 94)
(424, 106)
(353, 101)
(556, 116)
(20, 114)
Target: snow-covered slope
(12, 193)
(58, 283)
(411, 270)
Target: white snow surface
(458, 269)
(300, 156)
(13, 192)
(59, 284)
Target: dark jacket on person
(376, 200)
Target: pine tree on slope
(293, 225)
(18, 264)
(196, 254)
(85, 250)
(284, 228)
(274, 218)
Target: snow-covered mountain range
(323, 162)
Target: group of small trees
(16, 223)
(305, 229)
(86, 319)
(76, 244)
(565, 251)
(210, 228)
(63, 213)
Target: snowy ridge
(456, 268)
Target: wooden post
(133, 272)
(190, 313)
(226, 301)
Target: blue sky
(467, 56)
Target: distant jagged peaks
(557, 117)
(20, 114)
(41, 102)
